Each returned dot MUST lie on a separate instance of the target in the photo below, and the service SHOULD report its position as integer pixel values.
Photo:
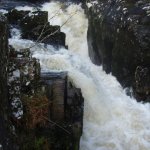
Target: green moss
(39, 143)
(35, 143)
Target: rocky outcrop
(66, 110)
(14, 16)
(5, 126)
(35, 26)
(3, 81)
(119, 39)
(47, 110)
(23, 73)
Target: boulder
(14, 16)
(35, 26)
(119, 36)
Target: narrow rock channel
(58, 99)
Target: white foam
(25, 8)
(15, 33)
(3, 11)
(75, 27)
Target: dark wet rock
(33, 19)
(35, 26)
(119, 36)
(3, 80)
(14, 16)
(6, 140)
(74, 112)
(142, 83)
(23, 72)
(67, 107)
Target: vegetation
(36, 109)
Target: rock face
(66, 110)
(47, 110)
(6, 135)
(119, 39)
(14, 16)
(23, 72)
(35, 26)
(3, 79)
(142, 83)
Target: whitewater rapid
(112, 120)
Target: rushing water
(112, 120)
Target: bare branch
(46, 25)
(54, 123)
(39, 41)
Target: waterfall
(112, 120)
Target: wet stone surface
(142, 83)
(35, 26)
(119, 37)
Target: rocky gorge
(44, 110)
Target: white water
(112, 120)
